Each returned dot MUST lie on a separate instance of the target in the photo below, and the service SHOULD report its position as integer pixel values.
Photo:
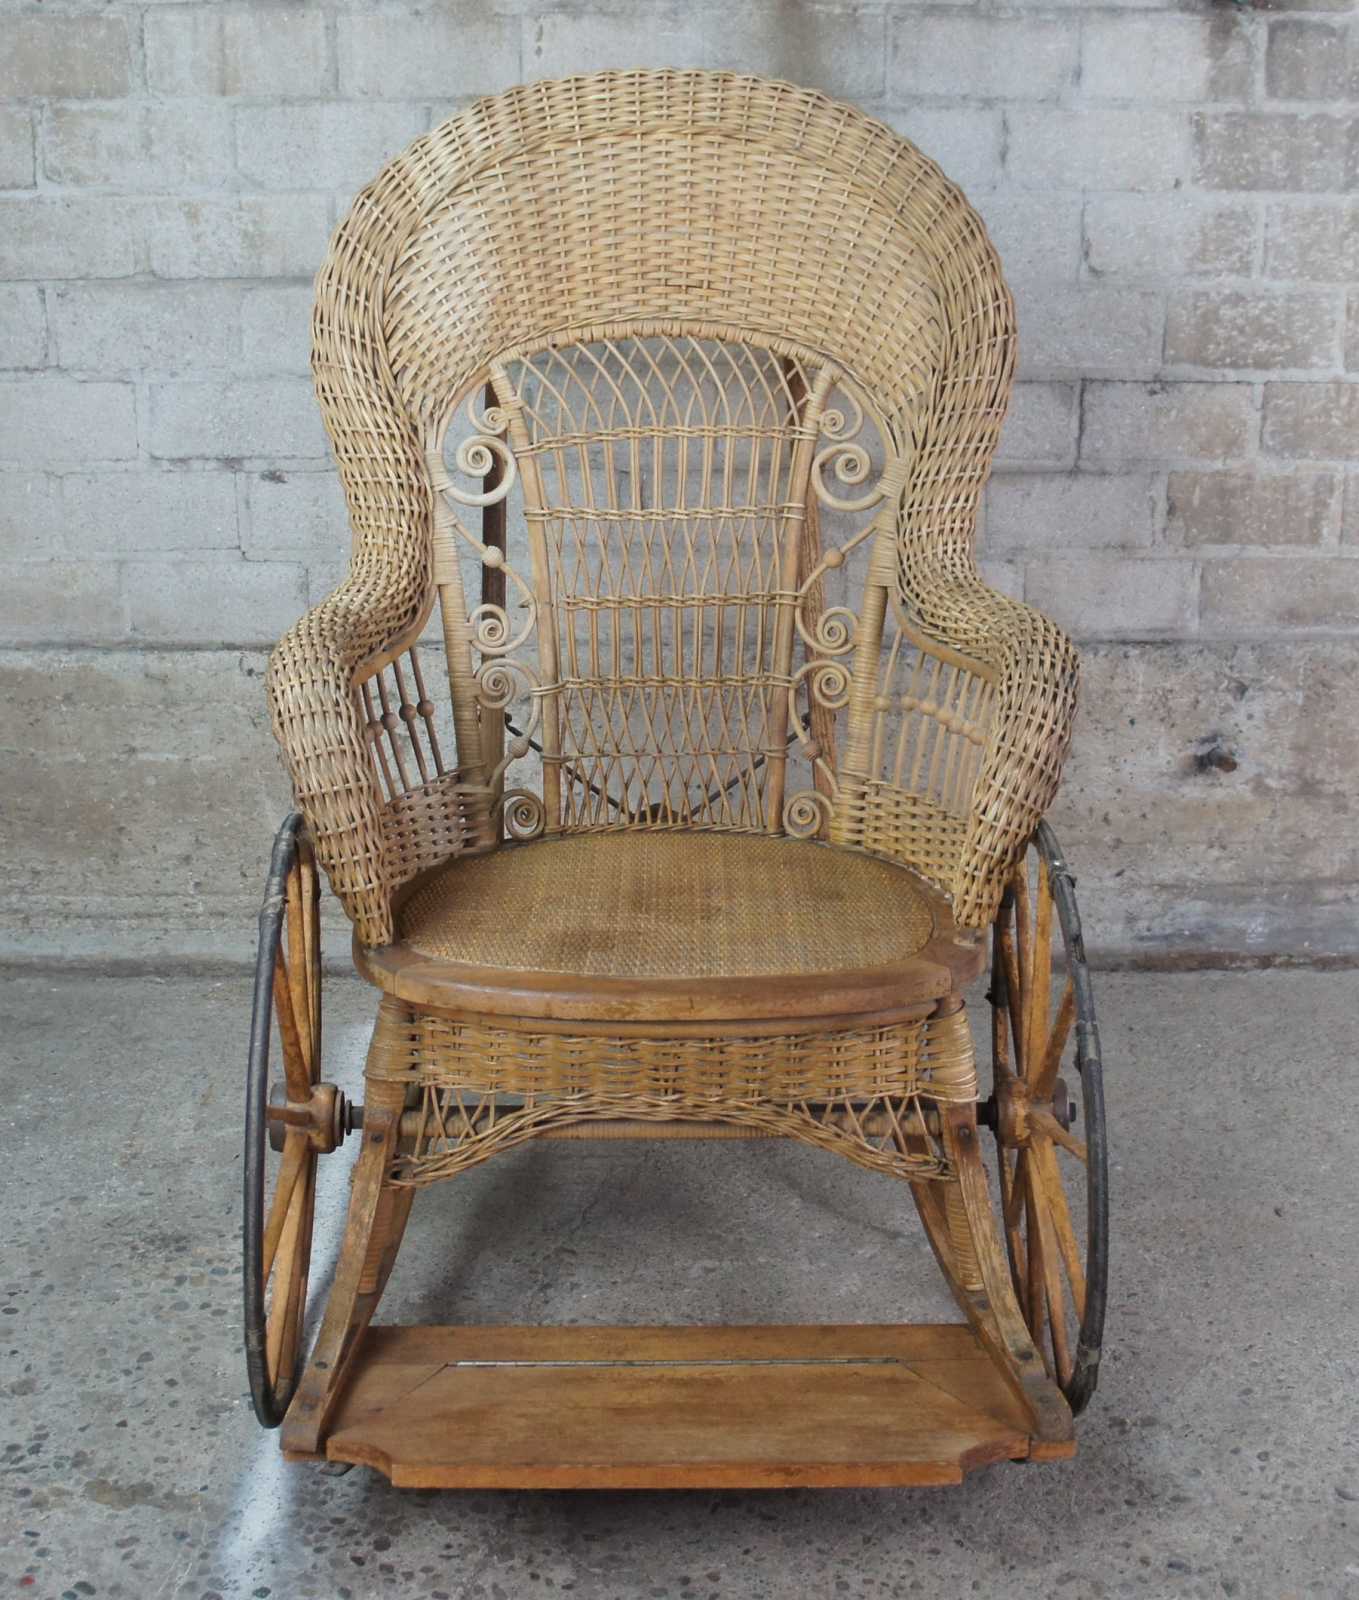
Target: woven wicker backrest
(680, 322)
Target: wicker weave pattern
(671, 205)
(649, 905)
(862, 1092)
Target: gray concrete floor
(1221, 1456)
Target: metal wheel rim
(1079, 1386)
(269, 1402)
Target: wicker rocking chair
(738, 785)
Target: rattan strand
(669, 905)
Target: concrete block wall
(1174, 189)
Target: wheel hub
(327, 1118)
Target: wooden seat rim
(943, 966)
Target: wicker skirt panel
(866, 1091)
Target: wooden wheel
(1051, 1147)
(295, 1118)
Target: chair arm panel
(314, 676)
(1035, 668)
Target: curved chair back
(723, 364)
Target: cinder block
(1274, 150)
(271, 417)
(1266, 329)
(1165, 57)
(276, 328)
(1079, 331)
(1040, 430)
(257, 236)
(258, 53)
(961, 56)
(125, 513)
(1131, 422)
(93, 236)
(47, 602)
(1096, 148)
(1317, 240)
(390, 55)
(23, 326)
(65, 57)
(139, 146)
(840, 49)
(1114, 597)
(1310, 60)
(17, 167)
(32, 525)
(214, 600)
(966, 142)
(324, 145)
(50, 421)
(1252, 508)
(295, 516)
(1349, 516)
(1169, 236)
(1312, 421)
(1138, 790)
(1073, 511)
(140, 327)
(1039, 240)
(133, 766)
(1245, 596)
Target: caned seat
(673, 926)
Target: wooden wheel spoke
(1047, 1124)
(1011, 1204)
(1014, 992)
(286, 1280)
(1038, 999)
(296, 1066)
(1044, 1079)
(1014, 1205)
(1040, 1224)
(297, 1282)
(1059, 1213)
(1023, 916)
(294, 1159)
(1036, 1284)
(311, 940)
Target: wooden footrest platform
(671, 1408)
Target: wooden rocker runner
(737, 788)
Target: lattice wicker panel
(923, 739)
(682, 565)
(666, 473)
(864, 1092)
(433, 809)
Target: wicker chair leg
(959, 1221)
(377, 1219)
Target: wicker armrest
(1035, 668)
(314, 675)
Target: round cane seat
(650, 925)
